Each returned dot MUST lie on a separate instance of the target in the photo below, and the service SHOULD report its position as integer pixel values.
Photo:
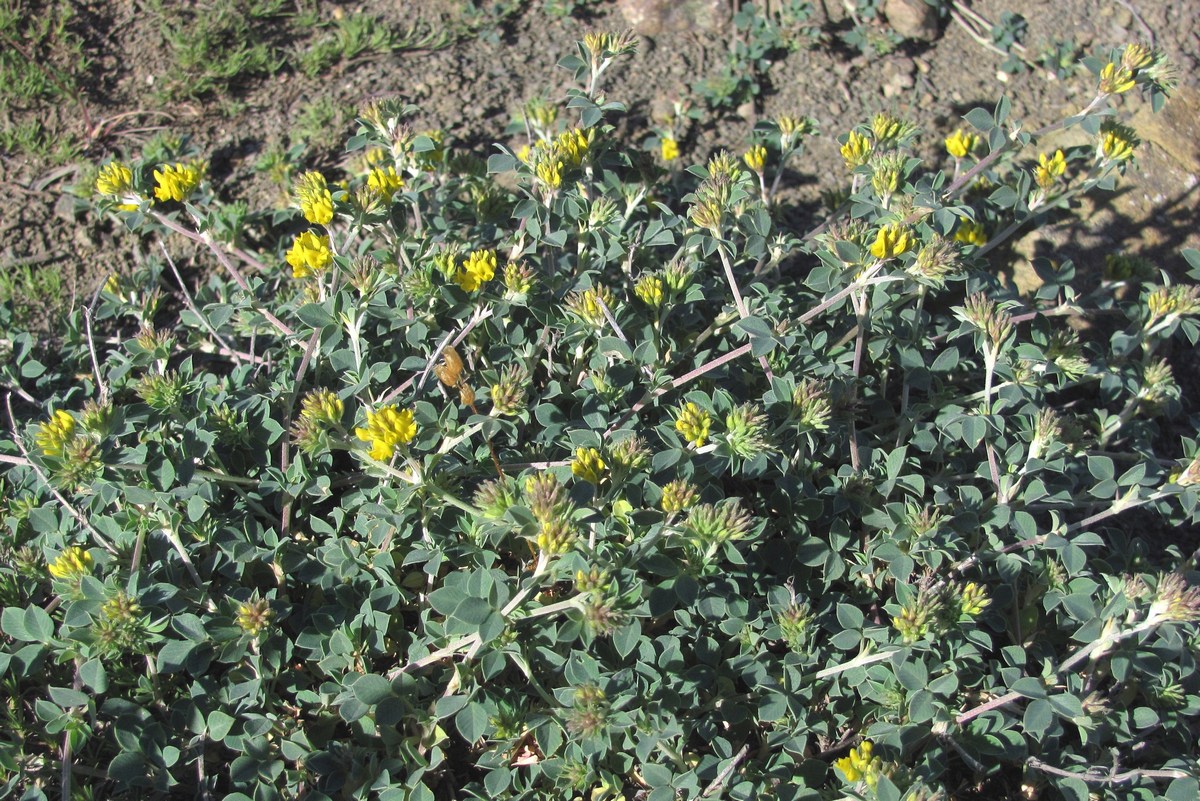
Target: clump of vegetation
(39, 60)
(562, 475)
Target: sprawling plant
(565, 475)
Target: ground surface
(497, 56)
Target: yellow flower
(693, 424)
(72, 564)
(1049, 168)
(549, 172)
(322, 406)
(254, 616)
(891, 241)
(670, 148)
(756, 158)
(677, 496)
(971, 233)
(589, 304)
(524, 154)
(1117, 142)
(974, 599)
(54, 434)
(176, 181)
(314, 198)
(651, 290)
(859, 764)
(588, 465)
(572, 146)
(960, 143)
(478, 269)
(1114, 80)
(1137, 57)
(857, 150)
(386, 430)
(384, 182)
(887, 129)
(115, 179)
(309, 255)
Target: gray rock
(654, 17)
(912, 19)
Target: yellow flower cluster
(891, 241)
(677, 496)
(960, 143)
(857, 150)
(310, 254)
(859, 764)
(114, 179)
(1117, 142)
(384, 182)
(756, 158)
(254, 616)
(693, 424)
(477, 270)
(72, 564)
(971, 233)
(974, 599)
(322, 406)
(1049, 168)
(588, 465)
(1116, 79)
(176, 181)
(572, 146)
(566, 152)
(589, 304)
(314, 199)
(54, 434)
(651, 290)
(387, 429)
(669, 148)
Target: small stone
(912, 19)
(826, 12)
(898, 83)
(654, 17)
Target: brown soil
(471, 89)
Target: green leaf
(850, 617)
(497, 781)
(127, 768)
(1185, 789)
(1038, 716)
(1101, 467)
(980, 119)
(12, 621)
(219, 724)
(38, 625)
(370, 689)
(1029, 687)
(753, 327)
(92, 674)
(173, 655)
(471, 722)
(449, 705)
(66, 697)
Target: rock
(654, 17)
(830, 12)
(898, 83)
(912, 19)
